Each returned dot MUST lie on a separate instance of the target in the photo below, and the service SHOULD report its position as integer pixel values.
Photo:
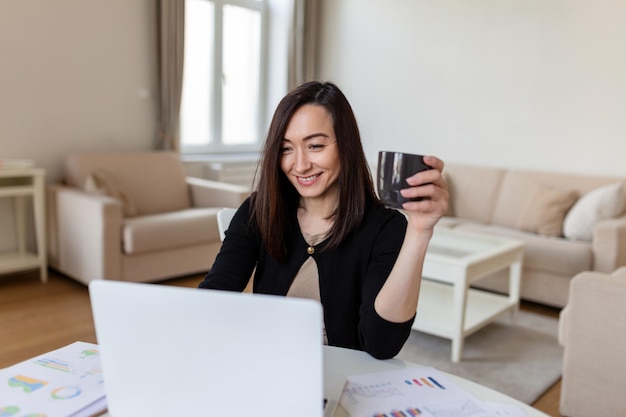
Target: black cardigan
(350, 276)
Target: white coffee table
(448, 307)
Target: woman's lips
(308, 180)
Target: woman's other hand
(431, 186)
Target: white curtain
(303, 42)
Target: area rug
(520, 358)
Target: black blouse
(350, 275)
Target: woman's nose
(302, 161)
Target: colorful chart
(26, 383)
(429, 382)
(408, 392)
(55, 384)
(9, 411)
(409, 412)
(53, 363)
(89, 353)
(65, 393)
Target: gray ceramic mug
(393, 170)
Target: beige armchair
(134, 216)
(592, 330)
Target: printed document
(418, 391)
(62, 383)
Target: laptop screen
(180, 351)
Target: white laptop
(171, 351)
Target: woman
(315, 228)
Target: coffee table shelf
(438, 304)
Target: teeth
(311, 178)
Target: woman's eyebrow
(311, 136)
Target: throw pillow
(600, 204)
(545, 210)
(99, 182)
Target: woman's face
(310, 158)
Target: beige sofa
(538, 208)
(134, 216)
(592, 332)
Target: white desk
(448, 307)
(21, 183)
(340, 363)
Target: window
(224, 98)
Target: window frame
(216, 144)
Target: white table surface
(340, 363)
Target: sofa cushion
(473, 191)
(99, 182)
(154, 180)
(169, 230)
(557, 255)
(517, 186)
(600, 204)
(545, 210)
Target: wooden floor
(36, 318)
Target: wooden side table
(20, 183)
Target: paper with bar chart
(409, 392)
(60, 383)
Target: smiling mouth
(308, 179)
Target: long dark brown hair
(276, 200)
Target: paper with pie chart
(409, 392)
(56, 384)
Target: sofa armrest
(88, 231)
(207, 193)
(609, 244)
(620, 272)
(594, 340)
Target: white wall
(520, 83)
(73, 77)
(72, 72)
(517, 83)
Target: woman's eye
(285, 149)
(316, 146)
